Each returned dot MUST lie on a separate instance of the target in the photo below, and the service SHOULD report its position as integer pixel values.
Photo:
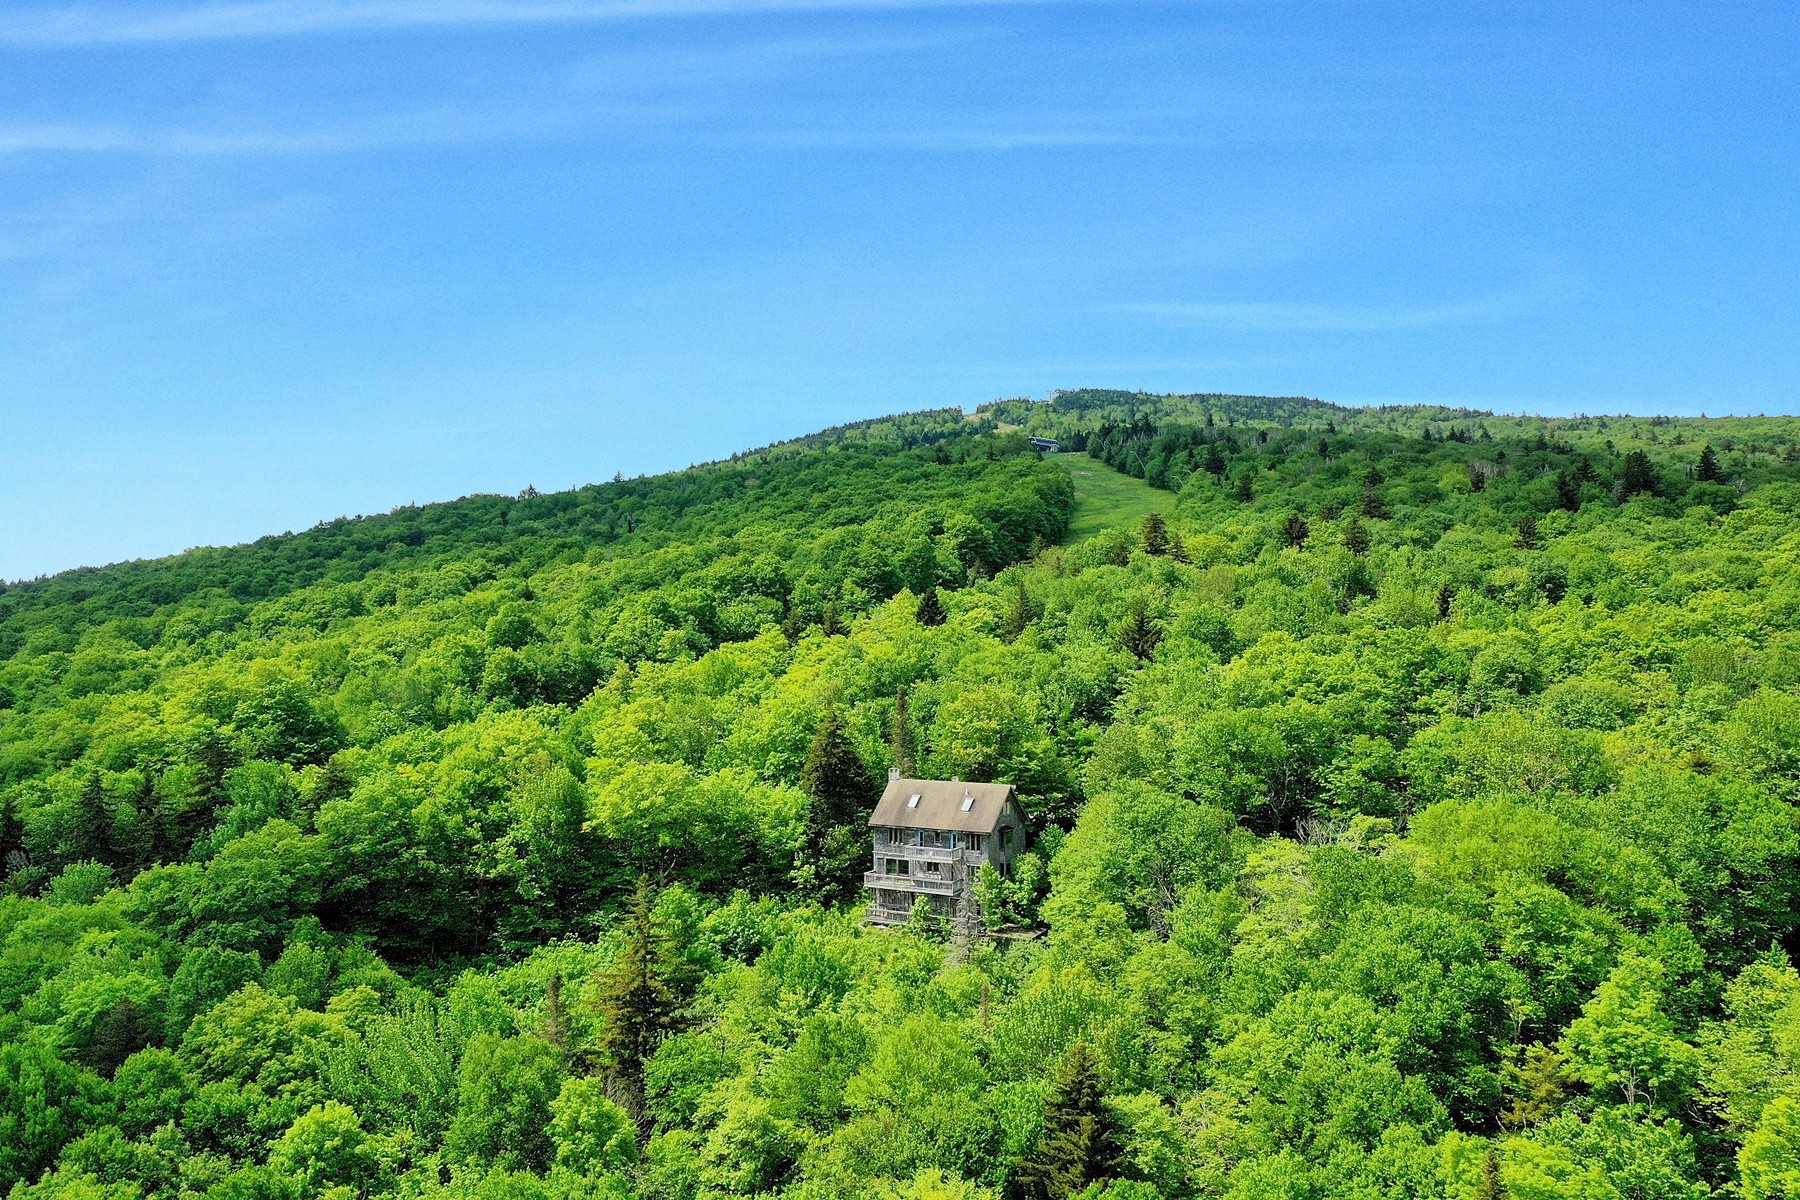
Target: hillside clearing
(1105, 498)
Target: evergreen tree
(931, 609)
(833, 778)
(1214, 462)
(1370, 503)
(1446, 596)
(556, 1014)
(837, 794)
(1638, 475)
(1490, 1187)
(1079, 1144)
(1139, 634)
(1155, 535)
(831, 624)
(1584, 471)
(1245, 490)
(1526, 538)
(1709, 470)
(1568, 491)
(12, 837)
(1356, 538)
(636, 1004)
(1018, 609)
(1294, 530)
(90, 835)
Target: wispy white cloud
(1043, 137)
(427, 128)
(1305, 317)
(92, 25)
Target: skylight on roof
(914, 802)
(968, 803)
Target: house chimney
(893, 774)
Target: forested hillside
(1414, 816)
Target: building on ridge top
(931, 836)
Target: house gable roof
(940, 805)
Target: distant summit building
(931, 837)
(1048, 445)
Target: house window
(897, 866)
(934, 868)
(1005, 838)
(975, 842)
(913, 801)
(968, 803)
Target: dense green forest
(1414, 815)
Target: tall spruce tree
(1140, 634)
(636, 1005)
(1709, 470)
(1294, 530)
(1079, 1144)
(1638, 475)
(12, 837)
(1018, 609)
(1155, 534)
(837, 790)
(931, 609)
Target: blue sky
(266, 263)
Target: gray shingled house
(931, 837)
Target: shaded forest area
(1414, 815)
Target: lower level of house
(892, 906)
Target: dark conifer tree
(1140, 634)
(635, 1004)
(931, 609)
(1356, 538)
(91, 832)
(1245, 491)
(1079, 1144)
(1638, 475)
(837, 797)
(1446, 597)
(1527, 536)
(833, 777)
(12, 837)
(1709, 470)
(1018, 609)
(556, 1014)
(1294, 530)
(1568, 491)
(1155, 535)
(1370, 503)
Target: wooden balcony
(935, 885)
(917, 853)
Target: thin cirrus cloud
(116, 25)
(432, 127)
(1305, 317)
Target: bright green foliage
(1624, 1041)
(591, 1133)
(503, 1106)
(1412, 804)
